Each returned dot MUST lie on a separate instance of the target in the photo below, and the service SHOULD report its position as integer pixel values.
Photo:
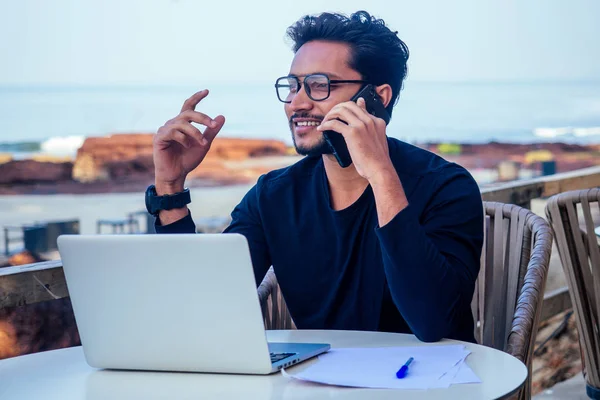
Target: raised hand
(179, 147)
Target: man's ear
(385, 93)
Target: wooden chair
(509, 290)
(579, 252)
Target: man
(390, 243)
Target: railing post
(6, 241)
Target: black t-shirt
(340, 270)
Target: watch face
(150, 193)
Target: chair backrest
(509, 290)
(274, 309)
(579, 252)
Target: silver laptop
(172, 302)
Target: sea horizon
(42, 118)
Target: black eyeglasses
(317, 86)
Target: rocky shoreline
(567, 157)
(123, 163)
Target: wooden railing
(33, 283)
(523, 191)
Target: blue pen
(404, 369)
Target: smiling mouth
(307, 123)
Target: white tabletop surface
(64, 374)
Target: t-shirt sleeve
(246, 220)
(183, 225)
(432, 260)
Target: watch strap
(156, 203)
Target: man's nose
(301, 101)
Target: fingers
(176, 136)
(335, 125)
(213, 130)
(362, 104)
(191, 103)
(347, 115)
(191, 131)
(198, 117)
(355, 114)
(181, 132)
(359, 109)
(180, 129)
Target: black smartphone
(336, 141)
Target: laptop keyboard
(280, 356)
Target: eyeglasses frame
(300, 84)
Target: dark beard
(315, 151)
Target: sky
(180, 42)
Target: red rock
(94, 155)
(141, 165)
(30, 171)
(129, 155)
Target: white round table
(65, 375)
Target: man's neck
(345, 184)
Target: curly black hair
(377, 53)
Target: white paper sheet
(433, 367)
(461, 373)
(465, 375)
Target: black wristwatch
(156, 203)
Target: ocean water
(56, 119)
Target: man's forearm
(390, 198)
(412, 263)
(425, 287)
(167, 217)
